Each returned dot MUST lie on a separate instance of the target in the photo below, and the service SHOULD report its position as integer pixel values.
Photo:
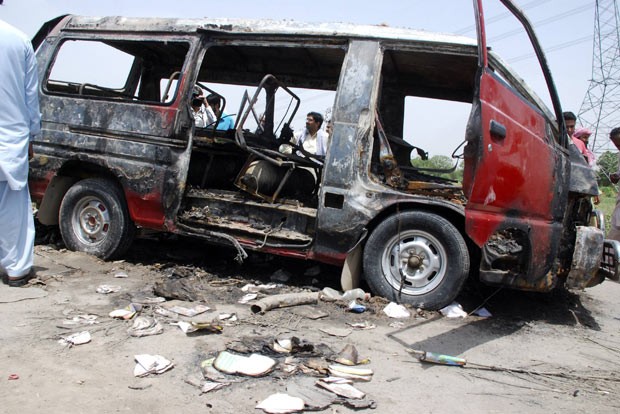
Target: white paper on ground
(281, 403)
(150, 364)
(453, 310)
(394, 310)
(254, 365)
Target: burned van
(122, 151)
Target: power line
(543, 22)
(552, 49)
(502, 16)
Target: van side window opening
(423, 108)
(140, 71)
(302, 79)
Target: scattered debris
(139, 387)
(252, 288)
(78, 338)
(145, 326)
(328, 294)
(352, 373)
(151, 364)
(362, 326)
(310, 312)
(316, 399)
(344, 390)
(228, 317)
(437, 358)
(184, 308)
(212, 386)
(339, 332)
(210, 373)
(190, 327)
(148, 300)
(255, 365)
(248, 297)
(482, 312)
(281, 403)
(105, 289)
(394, 310)
(183, 284)
(453, 310)
(350, 356)
(121, 275)
(82, 320)
(126, 313)
(356, 307)
(284, 300)
(13, 377)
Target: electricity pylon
(600, 109)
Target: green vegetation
(441, 162)
(607, 164)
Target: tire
(434, 255)
(94, 219)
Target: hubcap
(416, 259)
(91, 220)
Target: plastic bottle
(353, 294)
(330, 294)
(439, 358)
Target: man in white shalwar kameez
(19, 121)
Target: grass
(607, 204)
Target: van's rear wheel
(94, 218)
(418, 258)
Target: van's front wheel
(94, 218)
(418, 258)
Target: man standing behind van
(614, 232)
(19, 120)
(312, 139)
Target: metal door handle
(497, 130)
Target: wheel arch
(353, 268)
(70, 173)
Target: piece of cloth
(20, 119)
(314, 144)
(581, 132)
(226, 122)
(19, 104)
(203, 117)
(17, 235)
(581, 146)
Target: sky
(564, 28)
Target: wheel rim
(91, 220)
(421, 258)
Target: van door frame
(515, 181)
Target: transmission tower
(600, 109)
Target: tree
(608, 163)
(441, 162)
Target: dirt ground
(536, 354)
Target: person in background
(213, 103)
(570, 120)
(614, 231)
(20, 119)
(329, 128)
(201, 117)
(583, 134)
(312, 138)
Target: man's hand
(614, 177)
